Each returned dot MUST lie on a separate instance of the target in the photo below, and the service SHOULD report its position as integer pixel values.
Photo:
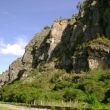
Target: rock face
(78, 44)
(33, 49)
(56, 35)
(15, 71)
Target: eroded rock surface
(67, 42)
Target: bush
(62, 85)
(91, 86)
(22, 94)
(106, 76)
(107, 97)
(91, 99)
(58, 86)
(53, 96)
(74, 95)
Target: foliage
(58, 86)
(100, 40)
(74, 95)
(91, 99)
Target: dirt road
(13, 107)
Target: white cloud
(16, 48)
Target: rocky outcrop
(99, 56)
(77, 44)
(20, 67)
(56, 35)
(4, 78)
(15, 71)
(33, 50)
(15, 68)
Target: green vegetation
(100, 40)
(47, 87)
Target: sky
(20, 20)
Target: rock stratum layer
(76, 45)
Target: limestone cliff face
(15, 70)
(77, 44)
(56, 35)
(34, 45)
(21, 66)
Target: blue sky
(21, 19)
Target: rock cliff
(77, 44)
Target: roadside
(13, 107)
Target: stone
(93, 63)
(94, 3)
(67, 41)
(56, 35)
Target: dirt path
(13, 107)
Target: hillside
(68, 61)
